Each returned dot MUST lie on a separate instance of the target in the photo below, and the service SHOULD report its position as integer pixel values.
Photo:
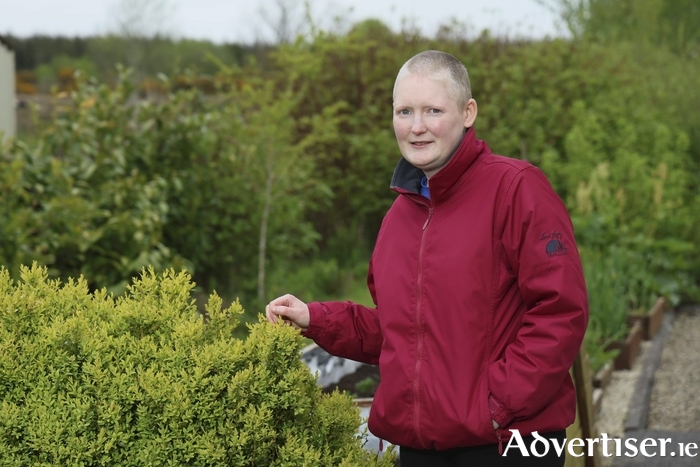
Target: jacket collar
(407, 177)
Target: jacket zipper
(430, 214)
(419, 350)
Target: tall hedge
(87, 379)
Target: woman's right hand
(289, 308)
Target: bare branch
(285, 21)
(142, 19)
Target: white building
(8, 121)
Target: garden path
(661, 394)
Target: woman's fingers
(289, 308)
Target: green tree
(671, 23)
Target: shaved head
(443, 67)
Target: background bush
(144, 379)
(115, 185)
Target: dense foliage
(40, 60)
(115, 185)
(277, 180)
(144, 379)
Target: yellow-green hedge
(144, 379)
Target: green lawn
(357, 292)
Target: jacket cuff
(317, 321)
(499, 413)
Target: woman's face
(428, 122)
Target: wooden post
(584, 399)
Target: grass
(356, 291)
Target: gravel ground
(675, 398)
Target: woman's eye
(434, 111)
(404, 112)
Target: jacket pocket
(499, 434)
(480, 416)
(496, 436)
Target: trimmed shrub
(144, 379)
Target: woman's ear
(470, 114)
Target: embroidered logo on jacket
(555, 248)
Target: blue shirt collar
(424, 189)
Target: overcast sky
(241, 20)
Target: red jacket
(481, 306)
